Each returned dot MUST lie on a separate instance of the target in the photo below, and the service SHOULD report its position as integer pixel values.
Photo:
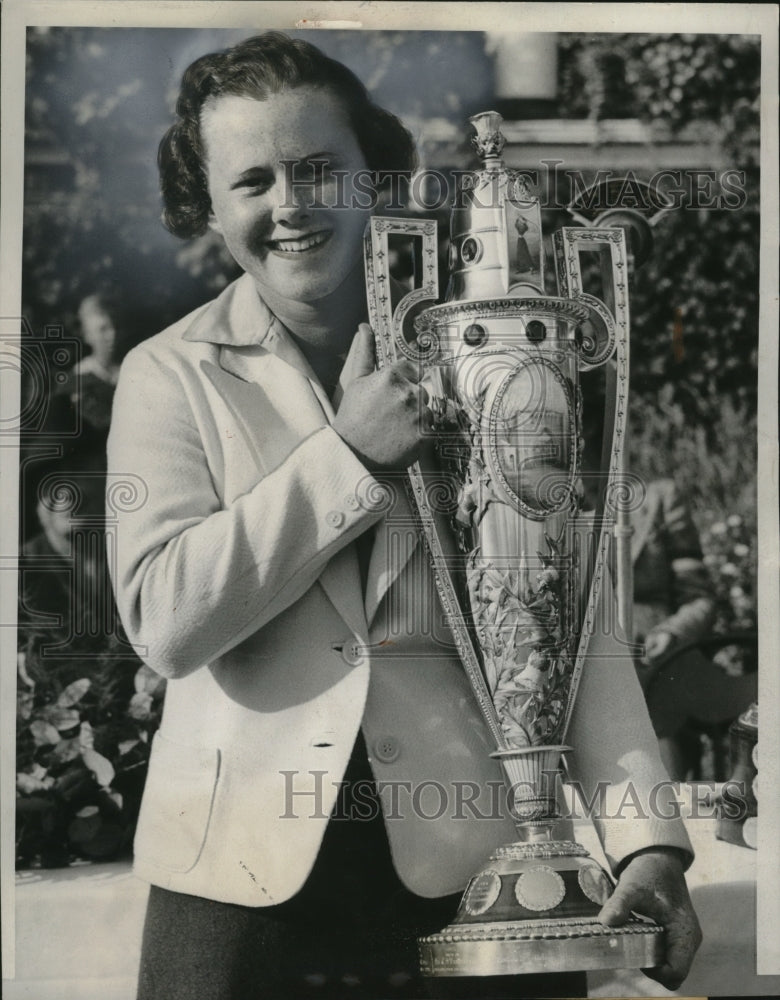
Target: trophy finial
(488, 141)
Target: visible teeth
(298, 246)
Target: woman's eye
(257, 187)
(253, 184)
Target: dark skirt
(349, 933)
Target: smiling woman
(296, 239)
(267, 64)
(271, 138)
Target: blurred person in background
(92, 380)
(96, 315)
(63, 581)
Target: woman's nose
(293, 200)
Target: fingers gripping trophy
(519, 587)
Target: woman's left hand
(653, 885)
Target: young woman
(265, 566)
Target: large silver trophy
(502, 362)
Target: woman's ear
(213, 224)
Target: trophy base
(534, 909)
(506, 949)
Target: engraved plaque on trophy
(502, 361)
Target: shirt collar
(238, 317)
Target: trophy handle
(391, 325)
(608, 322)
(607, 337)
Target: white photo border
(727, 18)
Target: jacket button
(334, 518)
(351, 502)
(353, 653)
(387, 749)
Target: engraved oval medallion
(482, 892)
(595, 884)
(540, 888)
(531, 437)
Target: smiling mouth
(301, 244)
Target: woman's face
(98, 331)
(288, 244)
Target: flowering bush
(84, 728)
(730, 557)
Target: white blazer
(236, 577)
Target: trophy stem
(532, 773)
(539, 832)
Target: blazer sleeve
(192, 579)
(692, 598)
(615, 766)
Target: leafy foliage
(695, 303)
(695, 314)
(731, 558)
(669, 80)
(82, 749)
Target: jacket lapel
(395, 539)
(341, 582)
(262, 374)
(399, 532)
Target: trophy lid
(496, 225)
(488, 140)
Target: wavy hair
(259, 66)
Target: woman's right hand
(383, 415)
